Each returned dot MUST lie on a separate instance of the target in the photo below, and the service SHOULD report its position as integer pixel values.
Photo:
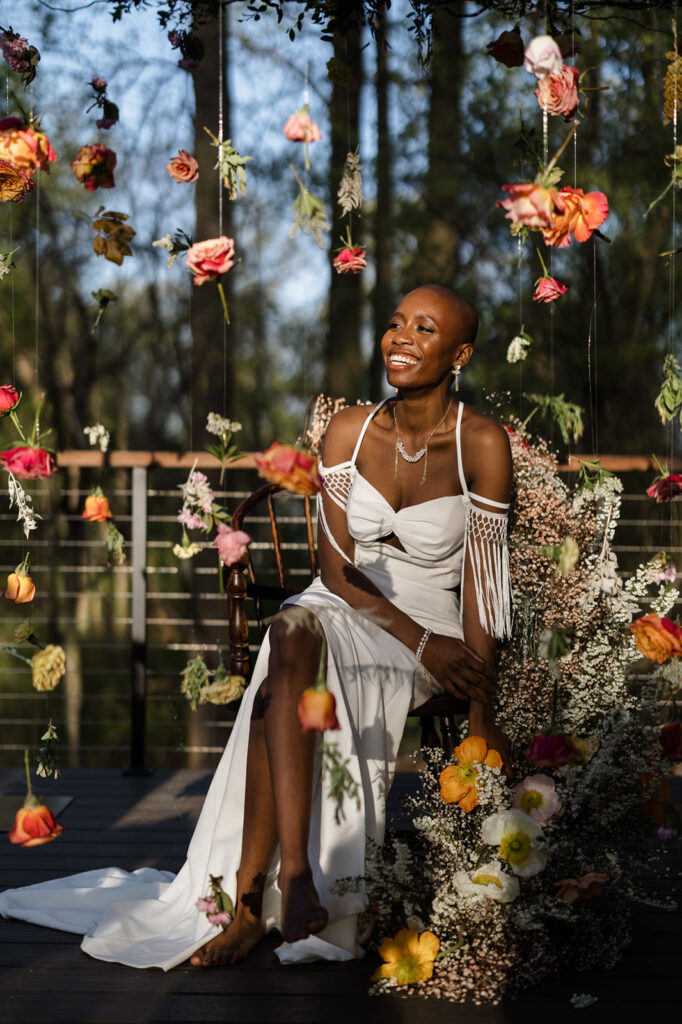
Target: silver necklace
(423, 453)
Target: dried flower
(508, 49)
(223, 690)
(94, 166)
(113, 241)
(47, 667)
(349, 193)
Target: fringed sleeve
(336, 483)
(486, 555)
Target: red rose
(290, 468)
(317, 710)
(350, 260)
(663, 490)
(671, 741)
(8, 398)
(34, 825)
(548, 289)
(550, 751)
(28, 463)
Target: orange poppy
(458, 781)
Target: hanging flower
(191, 48)
(317, 710)
(458, 781)
(9, 397)
(47, 667)
(20, 587)
(231, 165)
(515, 833)
(25, 147)
(218, 906)
(671, 741)
(667, 575)
(34, 825)
(97, 507)
(548, 289)
(543, 57)
(518, 347)
(531, 205)
(28, 463)
(14, 183)
(310, 215)
(300, 127)
(508, 49)
(666, 488)
(21, 57)
(657, 638)
(550, 750)
(557, 93)
(231, 544)
(207, 260)
(409, 956)
(349, 193)
(114, 238)
(350, 258)
(183, 167)
(536, 795)
(487, 882)
(582, 215)
(109, 110)
(94, 166)
(572, 889)
(289, 467)
(223, 690)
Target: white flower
(537, 796)
(543, 56)
(26, 514)
(515, 833)
(164, 243)
(218, 425)
(98, 436)
(487, 882)
(518, 349)
(581, 1000)
(186, 552)
(196, 492)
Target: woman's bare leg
(278, 799)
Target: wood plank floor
(135, 822)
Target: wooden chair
(243, 583)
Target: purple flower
(106, 122)
(666, 834)
(174, 38)
(14, 51)
(189, 64)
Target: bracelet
(422, 643)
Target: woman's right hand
(458, 668)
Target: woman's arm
(456, 666)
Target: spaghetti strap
(359, 441)
(462, 478)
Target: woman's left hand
(481, 724)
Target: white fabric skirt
(148, 918)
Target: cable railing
(128, 630)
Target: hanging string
(11, 246)
(221, 115)
(520, 287)
(593, 390)
(672, 311)
(37, 275)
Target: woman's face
(421, 343)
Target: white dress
(148, 918)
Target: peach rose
(557, 92)
(97, 509)
(300, 127)
(34, 825)
(583, 213)
(94, 166)
(231, 544)
(542, 57)
(548, 289)
(350, 261)
(14, 183)
(183, 167)
(292, 469)
(24, 146)
(531, 205)
(28, 463)
(207, 260)
(317, 710)
(20, 588)
(657, 638)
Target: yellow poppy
(458, 781)
(408, 957)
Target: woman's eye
(421, 327)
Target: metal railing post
(138, 681)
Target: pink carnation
(663, 490)
(231, 544)
(207, 260)
(301, 128)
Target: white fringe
(485, 544)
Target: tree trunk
(383, 298)
(344, 364)
(212, 341)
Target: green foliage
(47, 755)
(567, 415)
(590, 473)
(195, 676)
(341, 782)
(669, 399)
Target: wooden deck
(133, 822)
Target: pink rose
(207, 906)
(557, 92)
(663, 490)
(8, 398)
(28, 463)
(550, 750)
(508, 49)
(548, 289)
(207, 260)
(542, 56)
(350, 261)
(531, 205)
(301, 128)
(183, 167)
(231, 544)
(94, 166)
(14, 50)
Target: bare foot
(232, 945)
(302, 912)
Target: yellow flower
(569, 553)
(223, 691)
(458, 781)
(48, 667)
(409, 957)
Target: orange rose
(292, 469)
(582, 214)
(14, 183)
(183, 167)
(657, 638)
(20, 588)
(458, 781)
(97, 509)
(25, 147)
(317, 710)
(34, 825)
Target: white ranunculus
(515, 834)
(487, 882)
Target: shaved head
(463, 318)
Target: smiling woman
(413, 507)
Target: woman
(398, 488)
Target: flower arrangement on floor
(503, 884)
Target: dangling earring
(455, 374)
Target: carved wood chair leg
(430, 737)
(449, 733)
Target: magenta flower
(666, 488)
(98, 83)
(550, 750)
(548, 289)
(667, 834)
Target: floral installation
(97, 510)
(349, 193)
(103, 297)
(34, 823)
(231, 165)
(217, 906)
(524, 881)
(290, 468)
(225, 451)
(349, 259)
(98, 436)
(672, 81)
(197, 686)
(183, 168)
(94, 166)
(114, 235)
(208, 260)
(174, 244)
(310, 215)
(519, 347)
(109, 110)
(20, 588)
(548, 288)
(20, 56)
(300, 127)
(7, 264)
(190, 46)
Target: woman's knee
(295, 640)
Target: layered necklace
(423, 453)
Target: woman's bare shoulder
(485, 433)
(342, 433)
